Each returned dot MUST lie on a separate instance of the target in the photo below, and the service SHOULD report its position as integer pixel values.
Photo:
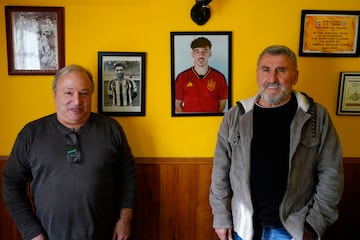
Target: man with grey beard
(278, 160)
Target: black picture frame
(349, 94)
(35, 40)
(181, 60)
(329, 33)
(134, 65)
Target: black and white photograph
(122, 83)
(200, 73)
(35, 39)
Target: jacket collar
(302, 99)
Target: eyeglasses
(73, 154)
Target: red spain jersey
(201, 94)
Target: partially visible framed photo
(121, 83)
(329, 33)
(35, 40)
(197, 93)
(349, 94)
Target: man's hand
(122, 229)
(41, 236)
(224, 234)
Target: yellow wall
(145, 26)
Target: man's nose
(77, 98)
(273, 76)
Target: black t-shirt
(270, 160)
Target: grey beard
(273, 100)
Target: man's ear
(296, 77)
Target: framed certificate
(349, 94)
(329, 33)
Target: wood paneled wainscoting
(172, 201)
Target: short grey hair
(71, 68)
(279, 50)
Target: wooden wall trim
(209, 160)
(352, 160)
(193, 160)
(162, 160)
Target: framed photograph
(200, 73)
(349, 94)
(121, 83)
(35, 40)
(329, 33)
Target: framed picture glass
(200, 73)
(35, 40)
(121, 83)
(332, 33)
(349, 94)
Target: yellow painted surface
(145, 26)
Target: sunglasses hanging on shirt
(73, 155)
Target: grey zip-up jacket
(315, 180)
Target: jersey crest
(211, 85)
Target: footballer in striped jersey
(122, 90)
